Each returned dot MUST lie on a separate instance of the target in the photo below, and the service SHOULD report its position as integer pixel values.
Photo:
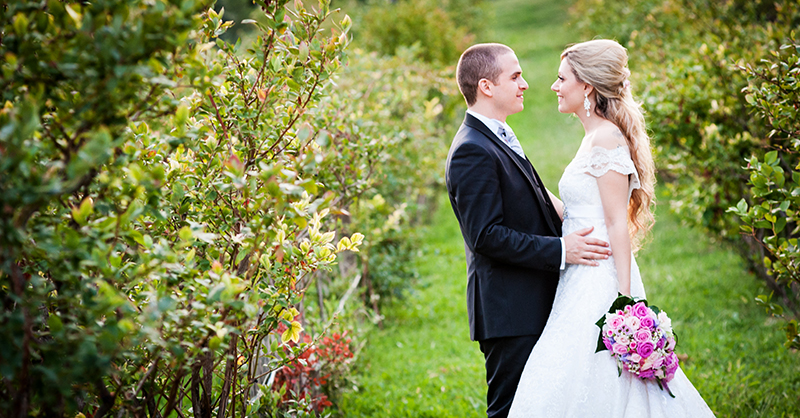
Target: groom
(510, 227)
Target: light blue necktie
(511, 140)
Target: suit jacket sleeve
(474, 185)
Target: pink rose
(647, 322)
(658, 360)
(616, 321)
(670, 343)
(642, 335)
(620, 348)
(632, 323)
(645, 349)
(640, 310)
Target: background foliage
(774, 95)
(688, 59)
(170, 198)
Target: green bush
(169, 198)
(161, 213)
(397, 112)
(772, 220)
(442, 30)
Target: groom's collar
(493, 124)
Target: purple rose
(647, 322)
(672, 363)
(640, 310)
(660, 343)
(607, 343)
(645, 349)
(646, 374)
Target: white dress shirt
(511, 140)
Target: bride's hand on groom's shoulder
(581, 249)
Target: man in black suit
(510, 225)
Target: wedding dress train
(563, 376)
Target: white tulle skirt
(564, 377)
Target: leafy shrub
(772, 220)
(161, 215)
(316, 375)
(441, 29)
(169, 198)
(396, 112)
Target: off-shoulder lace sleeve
(600, 160)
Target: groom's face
(507, 94)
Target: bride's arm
(614, 195)
(557, 203)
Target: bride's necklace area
(586, 143)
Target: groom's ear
(485, 87)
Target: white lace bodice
(578, 185)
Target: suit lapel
(476, 124)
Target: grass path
(423, 363)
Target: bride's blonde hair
(603, 65)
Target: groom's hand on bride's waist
(581, 249)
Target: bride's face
(568, 89)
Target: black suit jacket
(510, 232)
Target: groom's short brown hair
(477, 62)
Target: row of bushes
(174, 204)
(724, 123)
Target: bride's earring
(586, 104)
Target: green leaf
(771, 157)
(742, 206)
(55, 324)
(304, 132)
(81, 213)
(20, 24)
(780, 224)
(185, 234)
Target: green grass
(422, 364)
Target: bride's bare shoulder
(608, 136)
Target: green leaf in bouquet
(623, 301)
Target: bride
(608, 185)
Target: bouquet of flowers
(641, 339)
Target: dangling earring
(586, 104)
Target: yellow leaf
(292, 333)
(286, 315)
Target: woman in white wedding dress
(608, 185)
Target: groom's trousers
(505, 360)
